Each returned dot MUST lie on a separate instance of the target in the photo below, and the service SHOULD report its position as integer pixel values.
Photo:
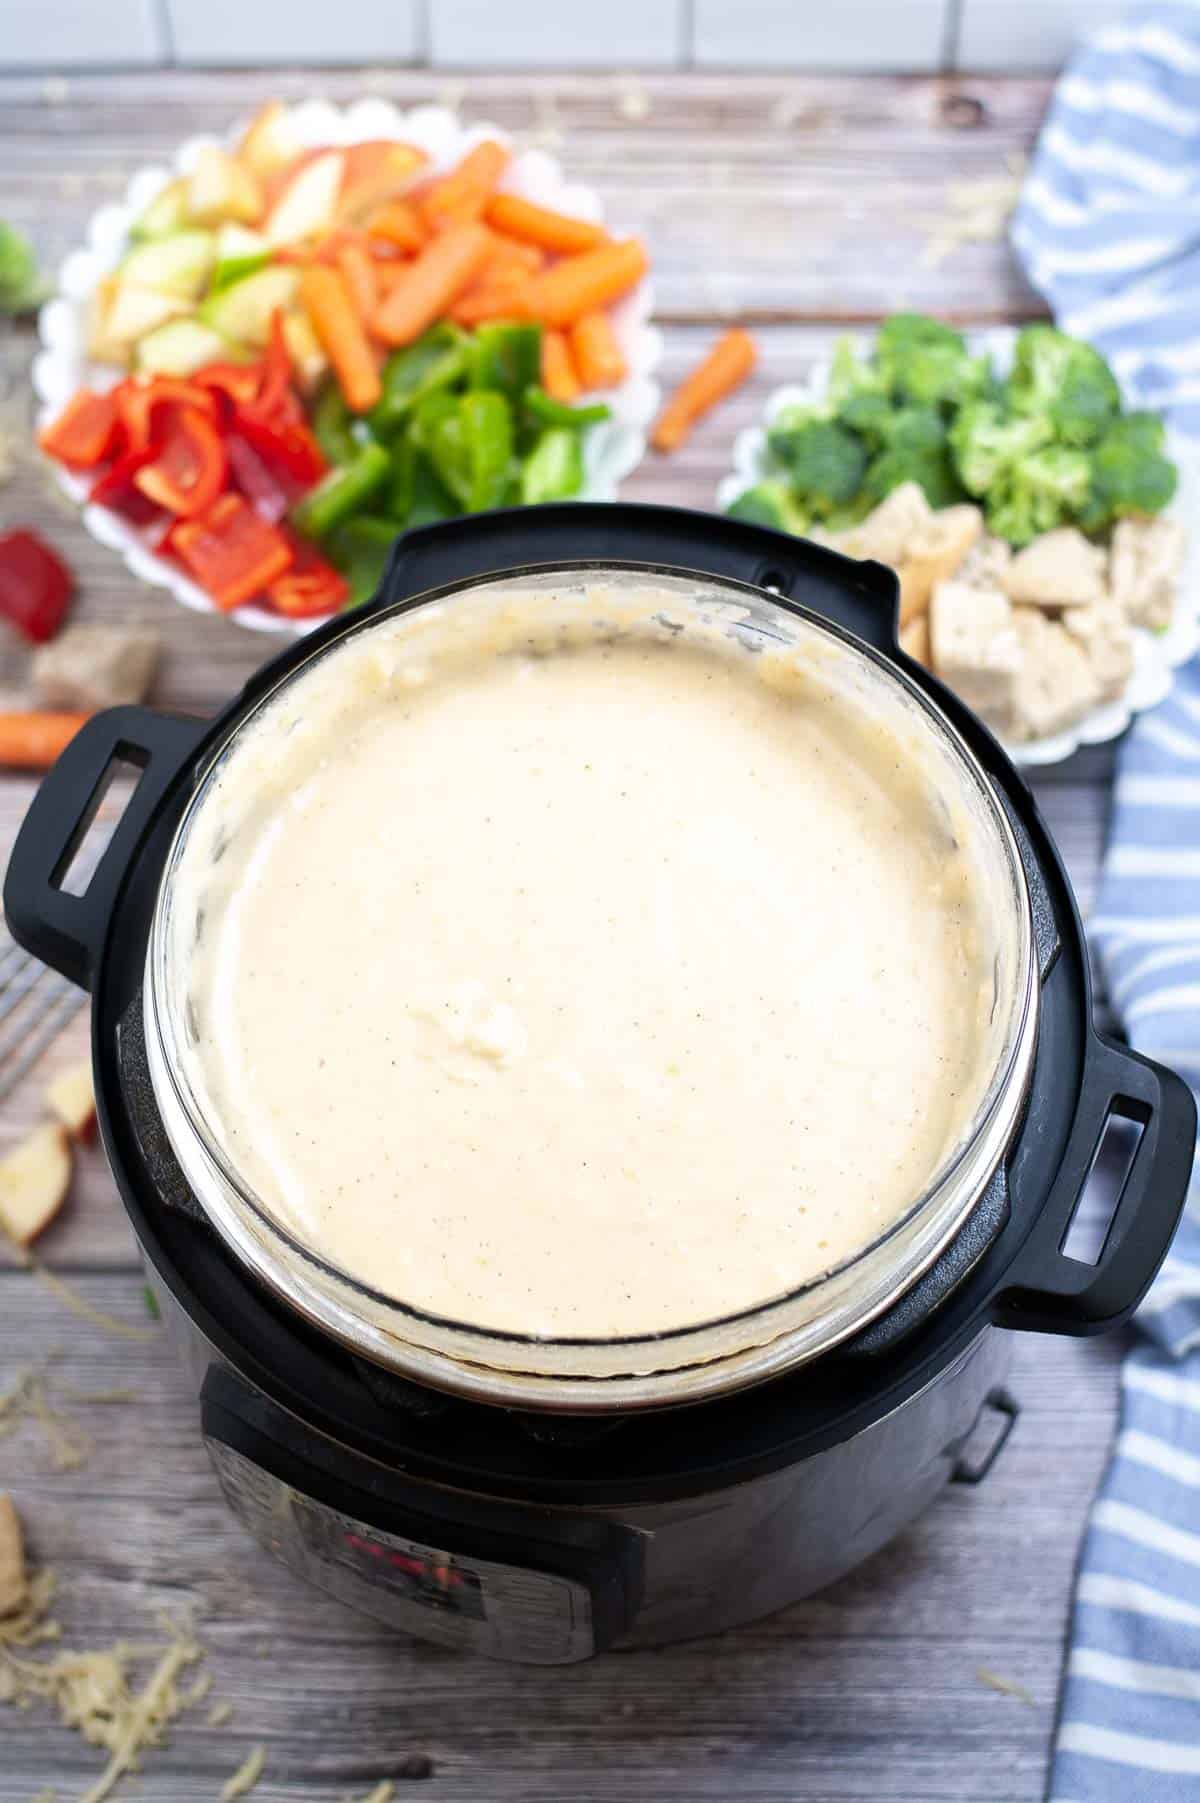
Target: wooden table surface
(798, 205)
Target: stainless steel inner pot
(715, 1356)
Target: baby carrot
(509, 253)
(587, 282)
(400, 224)
(558, 371)
(358, 272)
(558, 232)
(463, 194)
(34, 741)
(505, 298)
(727, 365)
(596, 353)
(432, 282)
(327, 300)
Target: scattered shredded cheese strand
(1008, 1687)
(219, 1714)
(246, 1776)
(78, 1306)
(27, 1400)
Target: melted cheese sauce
(584, 994)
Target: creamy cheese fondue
(584, 985)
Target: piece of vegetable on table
(725, 367)
(35, 585)
(35, 740)
(34, 1180)
(21, 287)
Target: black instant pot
(543, 1532)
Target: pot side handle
(68, 931)
(1052, 1293)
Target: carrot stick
(510, 253)
(505, 298)
(558, 232)
(558, 371)
(585, 283)
(596, 353)
(35, 741)
(462, 195)
(400, 224)
(725, 367)
(358, 272)
(387, 275)
(327, 300)
(432, 282)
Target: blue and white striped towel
(1109, 229)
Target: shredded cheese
(93, 1691)
(246, 1776)
(219, 1714)
(977, 212)
(27, 1400)
(78, 1306)
(1008, 1687)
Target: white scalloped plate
(1156, 655)
(612, 450)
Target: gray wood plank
(774, 197)
(871, 1689)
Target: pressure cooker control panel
(547, 1603)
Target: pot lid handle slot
(1052, 1293)
(861, 597)
(68, 931)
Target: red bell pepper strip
(287, 447)
(232, 554)
(35, 586)
(268, 497)
(85, 432)
(238, 383)
(190, 469)
(140, 405)
(276, 373)
(115, 488)
(310, 587)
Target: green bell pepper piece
(546, 411)
(506, 357)
(343, 492)
(554, 468)
(428, 415)
(417, 494)
(438, 359)
(331, 425)
(472, 447)
(360, 549)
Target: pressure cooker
(544, 1501)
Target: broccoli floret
(822, 460)
(1047, 489)
(931, 468)
(769, 504)
(1129, 471)
(985, 442)
(915, 430)
(1066, 380)
(921, 360)
(857, 395)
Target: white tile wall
(827, 34)
(294, 31)
(557, 34)
(1027, 34)
(62, 34)
(616, 34)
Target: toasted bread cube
(1144, 565)
(986, 562)
(1105, 635)
(934, 553)
(87, 668)
(1059, 569)
(914, 638)
(975, 647)
(1056, 684)
(889, 529)
(14, 1588)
